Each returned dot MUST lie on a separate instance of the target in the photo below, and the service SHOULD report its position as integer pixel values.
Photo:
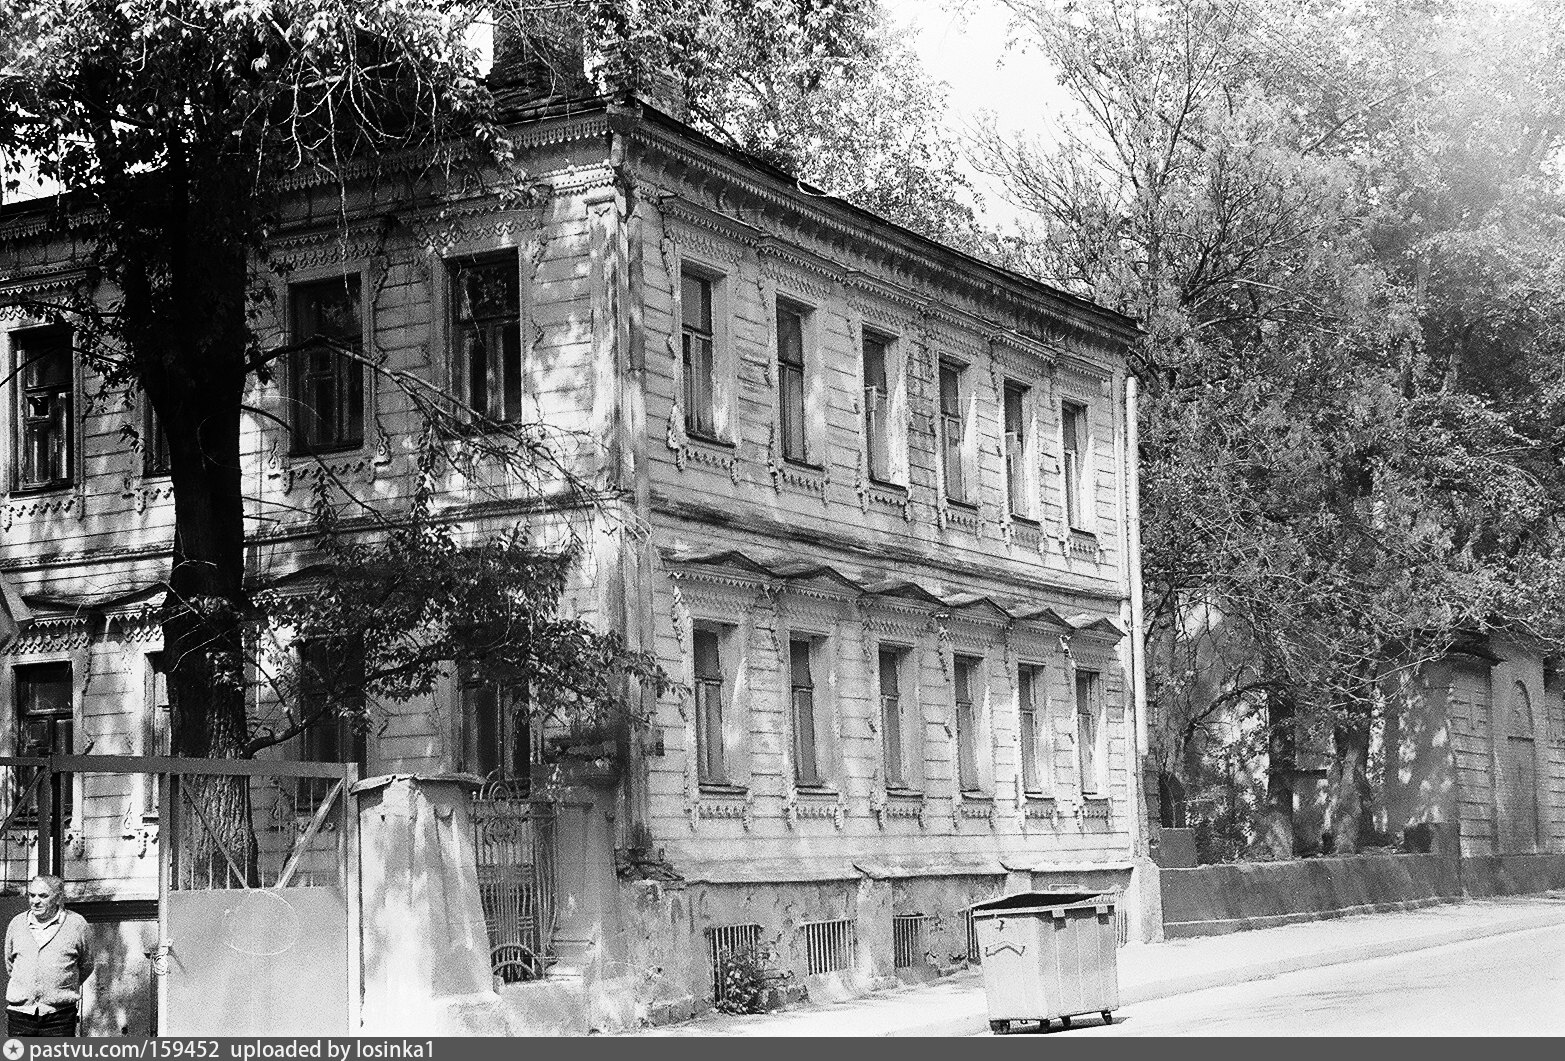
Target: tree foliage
(1336, 222)
(826, 90)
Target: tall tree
(172, 128)
(1269, 188)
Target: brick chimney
(548, 62)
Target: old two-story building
(868, 500)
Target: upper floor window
(710, 695)
(1018, 485)
(697, 363)
(791, 424)
(1089, 710)
(877, 406)
(486, 329)
(45, 722)
(155, 456)
(962, 671)
(1073, 444)
(48, 429)
(327, 374)
(953, 431)
(806, 761)
(1029, 695)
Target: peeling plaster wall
(668, 927)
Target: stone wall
(1211, 900)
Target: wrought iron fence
(514, 840)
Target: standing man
(47, 958)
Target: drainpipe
(1130, 610)
(1138, 674)
(1148, 900)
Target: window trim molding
(79, 662)
(434, 267)
(704, 604)
(1027, 456)
(966, 403)
(14, 337)
(725, 389)
(288, 369)
(811, 414)
(284, 382)
(1086, 473)
(896, 426)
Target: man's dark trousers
(59, 1024)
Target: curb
(978, 1023)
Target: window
(327, 376)
(1087, 725)
(497, 737)
(1073, 427)
(891, 727)
(44, 363)
(790, 380)
(331, 677)
(962, 670)
(154, 729)
(486, 328)
(806, 767)
(44, 722)
(1029, 690)
(953, 431)
(877, 406)
(1017, 482)
(697, 365)
(710, 742)
(155, 458)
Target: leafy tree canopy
(1338, 223)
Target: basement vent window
(907, 940)
(725, 941)
(828, 945)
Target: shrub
(742, 981)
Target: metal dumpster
(1048, 956)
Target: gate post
(424, 947)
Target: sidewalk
(956, 1006)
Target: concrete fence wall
(1210, 900)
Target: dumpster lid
(1039, 900)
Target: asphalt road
(1503, 985)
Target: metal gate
(514, 839)
(252, 940)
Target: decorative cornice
(679, 154)
(52, 634)
(23, 287)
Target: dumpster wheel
(1000, 1027)
(1108, 1017)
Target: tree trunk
(1349, 782)
(187, 334)
(1277, 836)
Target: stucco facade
(1480, 755)
(866, 499)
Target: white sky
(967, 44)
